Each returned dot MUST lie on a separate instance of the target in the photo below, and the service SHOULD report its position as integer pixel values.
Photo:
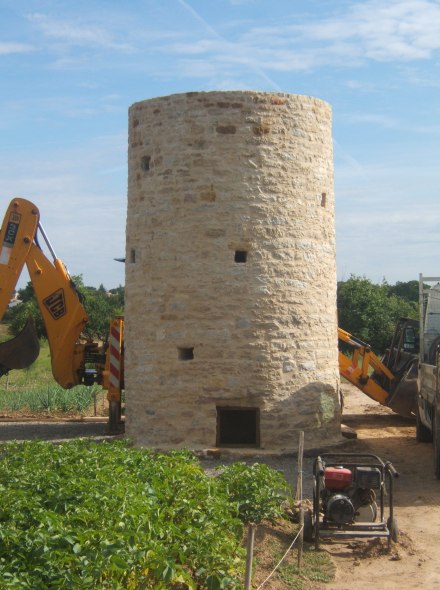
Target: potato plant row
(85, 515)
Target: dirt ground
(414, 561)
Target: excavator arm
(394, 388)
(359, 367)
(73, 361)
(60, 304)
(16, 236)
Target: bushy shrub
(258, 491)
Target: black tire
(423, 434)
(308, 527)
(436, 441)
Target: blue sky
(70, 70)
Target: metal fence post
(299, 498)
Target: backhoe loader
(74, 359)
(390, 381)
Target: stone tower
(231, 330)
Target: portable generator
(349, 493)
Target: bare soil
(414, 561)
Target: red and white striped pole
(115, 350)
(115, 373)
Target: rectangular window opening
(238, 427)
(185, 354)
(132, 255)
(240, 256)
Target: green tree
(370, 311)
(408, 291)
(18, 316)
(101, 306)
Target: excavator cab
(401, 358)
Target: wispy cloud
(422, 80)
(231, 51)
(371, 119)
(399, 30)
(10, 48)
(81, 194)
(361, 85)
(77, 33)
(377, 30)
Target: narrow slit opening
(185, 353)
(240, 256)
(145, 163)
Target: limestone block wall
(231, 333)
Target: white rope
(281, 560)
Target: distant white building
(15, 300)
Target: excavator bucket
(21, 351)
(403, 399)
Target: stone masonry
(231, 330)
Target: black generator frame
(316, 527)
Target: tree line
(370, 311)
(101, 306)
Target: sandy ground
(414, 561)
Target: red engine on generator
(348, 494)
(337, 478)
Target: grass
(34, 391)
(48, 398)
(4, 334)
(316, 567)
(272, 543)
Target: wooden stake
(249, 556)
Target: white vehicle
(428, 394)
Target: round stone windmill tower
(231, 330)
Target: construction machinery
(352, 497)
(75, 360)
(428, 395)
(390, 380)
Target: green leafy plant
(257, 490)
(48, 397)
(82, 515)
(86, 515)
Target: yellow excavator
(74, 359)
(390, 380)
